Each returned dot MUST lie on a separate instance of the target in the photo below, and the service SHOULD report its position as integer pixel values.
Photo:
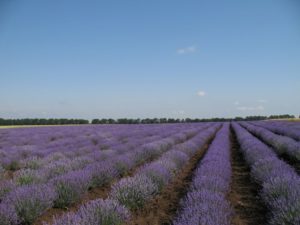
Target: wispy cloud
(201, 93)
(186, 50)
(262, 101)
(251, 108)
(236, 103)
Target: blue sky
(170, 58)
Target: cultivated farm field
(182, 174)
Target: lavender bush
(29, 202)
(5, 187)
(29, 176)
(8, 215)
(70, 187)
(32, 163)
(158, 174)
(101, 173)
(133, 192)
(104, 212)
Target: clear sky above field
(158, 58)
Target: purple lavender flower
(280, 182)
(67, 219)
(206, 201)
(281, 144)
(204, 207)
(30, 202)
(133, 192)
(29, 176)
(123, 163)
(101, 173)
(2, 172)
(178, 157)
(5, 187)
(70, 187)
(104, 212)
(56, 168)
(157, 173)
(32, 163)
(8, 215)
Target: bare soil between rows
(161, 209)
(244, 195)
(92, 194)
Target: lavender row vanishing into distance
(281, 144)
(279, 181)
(281, 127)
(133, 192)
(205, 202)
(70, 186)
(60, 165)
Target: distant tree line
(38, 121)
(186, 120)
(282, 116)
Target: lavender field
(183, 174)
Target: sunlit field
(188, 173)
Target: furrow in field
(162, 208)
(244, 195)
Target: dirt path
(244, 195)
(162, 209)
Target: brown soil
(244, 195)
(162, 209)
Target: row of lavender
(132, 193)
(280, 183)
(34, 168)
(205, 202)
(285, 128)
(281, 144)
(71, 179)
(38, 170)
(29, 201)
(21, 147)
(123, 161)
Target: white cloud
(262, 101)
(201, 93)
(236, 103)
(251, 108)
(186, 50)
